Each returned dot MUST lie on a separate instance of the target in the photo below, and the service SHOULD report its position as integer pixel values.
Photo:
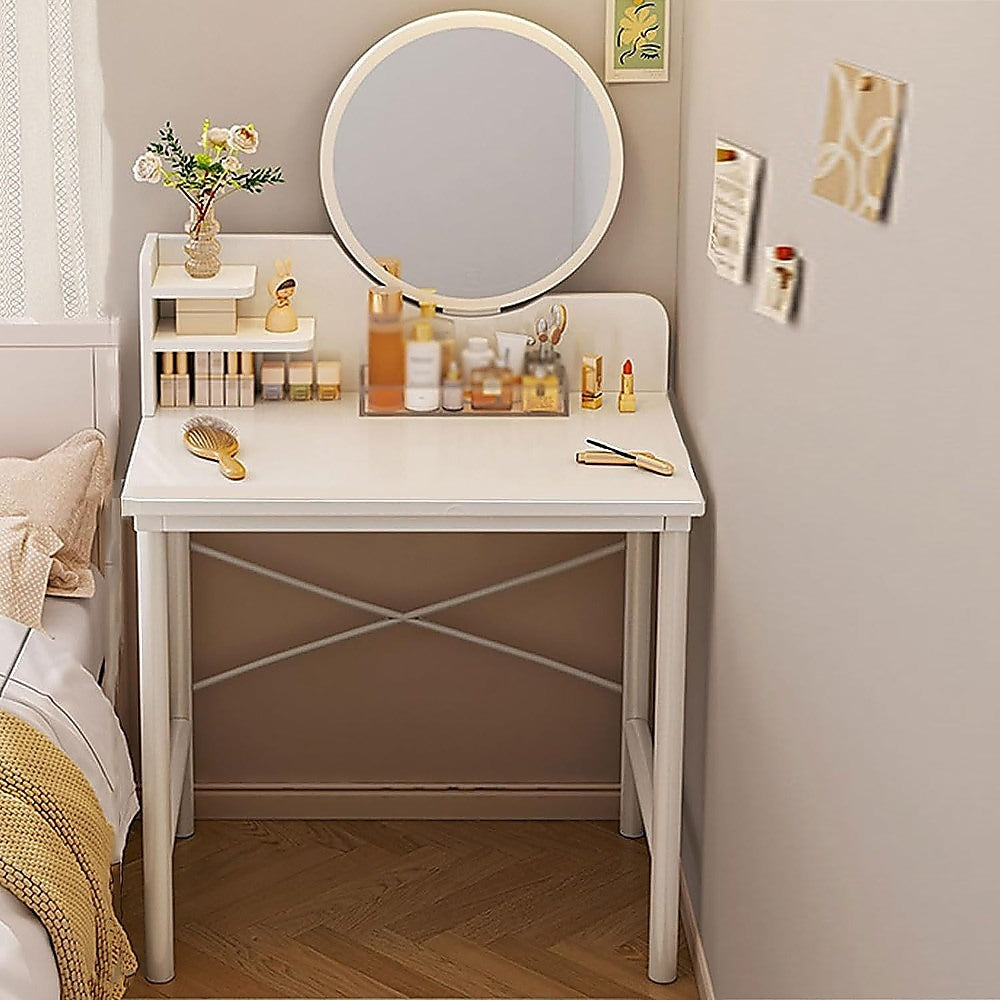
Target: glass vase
(202, 246)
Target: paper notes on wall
(778, 290)
(858, 145)
(734, 204)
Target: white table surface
(321, 459)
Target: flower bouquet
(203, 178)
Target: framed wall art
(637, 46)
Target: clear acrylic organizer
(560, 405)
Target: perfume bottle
(540, 389)
(423, 370)
(592, 382)
(452, 389)
(492, 387)
(386, 358)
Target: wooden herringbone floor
(411, 909)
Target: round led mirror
(477, 148)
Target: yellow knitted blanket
(55, 856)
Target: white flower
(231, 164)
(148, 167)
(218, 136)
(244, 138)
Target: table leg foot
(154, 720)
(668, 749)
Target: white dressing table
(322, 467)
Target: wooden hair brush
(216, 440)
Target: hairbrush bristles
(215, 423)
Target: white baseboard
(695, 945)
(406, 802)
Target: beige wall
(442, 710)
(841, 812)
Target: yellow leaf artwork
(638, 33)
(858, 145)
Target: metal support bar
(179, 627)
(639, 748)
(389, 616)
(500, 647)
(306, 647)
(635, 669)
(180, 746)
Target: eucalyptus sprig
(206, 176)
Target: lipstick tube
(626, 398)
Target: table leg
(154, 720)
(668, 749)
(635, 668)
(179, 577)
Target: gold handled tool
(607, 458)
(216, 440)
(641, 459)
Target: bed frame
(56, 379)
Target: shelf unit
(163, 281)
(250, 336)
(234, 281)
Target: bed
(62, 680)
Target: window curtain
(54, 219)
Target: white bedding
(80, 624)
(43, 683)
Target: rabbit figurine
(281, 316)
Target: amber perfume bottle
(386, 354)
(492, 387)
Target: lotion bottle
(443, 327)
(423, 370)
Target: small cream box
(206, 316)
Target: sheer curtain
(54, 207)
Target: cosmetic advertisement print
(777, 294)
(637, 43)
(858, 145)
(734, 207)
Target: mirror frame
(446, 22)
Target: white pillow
(43, 685)
(63, 489)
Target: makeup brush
(216, 440)
(641, 459)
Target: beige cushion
(63, 490)
(26, 552)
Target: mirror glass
(487, 161)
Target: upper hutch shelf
(234, 281)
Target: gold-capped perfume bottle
(492, 387)
(540, 389)
(386, 356)
(592, 382)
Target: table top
(320, 465)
